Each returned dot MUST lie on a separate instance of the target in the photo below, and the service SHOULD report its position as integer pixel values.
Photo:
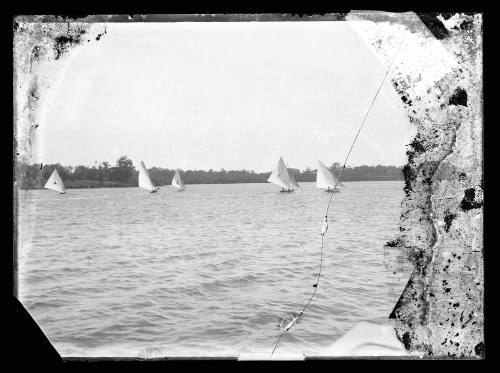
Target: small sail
(144, 180)
(280, 176)
(339, 183)
(177, 181)
(55, 182)
(293, 182)
(324, 177)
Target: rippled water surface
(209, 271)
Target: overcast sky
(224, 95)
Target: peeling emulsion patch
(40, 45)
(440, 312)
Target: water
(209, 271)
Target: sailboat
(293, 181)
(177, 182)
(145, 180)
(283, 178)
(55, 183)
(326, 180)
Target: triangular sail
(280, 176)
(293, 182)
(144, 179)
(177, 181)
(55, 182)
(324, 177)
(339, 183)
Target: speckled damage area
(438, 76)
(42, 47)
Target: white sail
(324, 177)
(177, 181)
(144, 180)
(335, 177)
(293, 182)
(339, 183)
(280, 176)
(55, 182)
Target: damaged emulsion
(35, 55)
(63, 42)
(459, 97)
(412, 305)
(448, 219)
(417, 147)
(395, 243)
(409, 178)
(62, 36)
(437, 28)
(405, 100)
(434, 25)
(469, 201)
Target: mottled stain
(459, 97)
(448, 219)
(39, 42)
(63, 42)
(439, 312)
(469, 201)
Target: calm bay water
(209, 271)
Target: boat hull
(286, 190)
(332, 190)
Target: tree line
(124, 174)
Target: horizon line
(96, 163)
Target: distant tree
(81, 173)
(124, 174)
(124, 171)
(104, 171)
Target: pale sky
(224, 95)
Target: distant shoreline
(124, 174)
(168, 185)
